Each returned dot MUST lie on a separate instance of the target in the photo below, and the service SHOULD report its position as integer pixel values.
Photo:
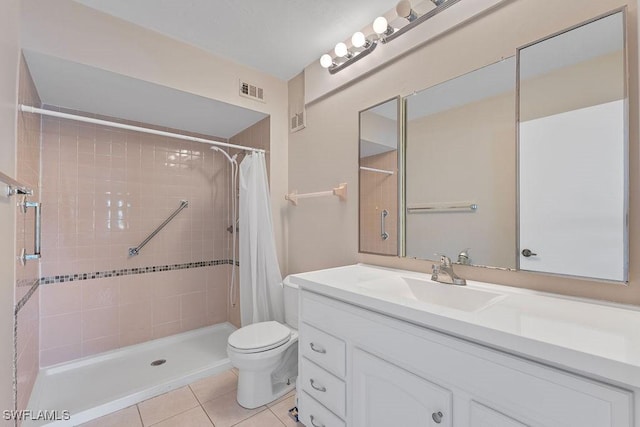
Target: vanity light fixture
(384, 33)
(345, 57)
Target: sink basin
(460, 298)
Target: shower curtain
(261, 294)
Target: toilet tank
(290, 303)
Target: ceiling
(80, 87)
(278, 37)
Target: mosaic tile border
(23, 301)
(129, 271)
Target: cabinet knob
(317, 349)
(316, 386)
(437, 417)
(313, 422)
(527, 253)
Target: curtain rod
(84, 119)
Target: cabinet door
(482, 416)
(386, 395)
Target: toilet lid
(260, 336)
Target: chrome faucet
(443, 272)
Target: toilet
(266, 355)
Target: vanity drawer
(324, 387)
(323, 349)
(313, 414)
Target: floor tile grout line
(207, 414)
(174, 415)
(277, 417)
(139, 415)
(253, 415)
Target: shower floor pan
(95, 386)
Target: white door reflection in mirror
(573, 152)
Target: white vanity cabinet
(380, 371)
(385, 395)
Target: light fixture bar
(384, 32)
(419, 20)
(338, 67)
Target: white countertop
(597, 339)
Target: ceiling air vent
(251, 91)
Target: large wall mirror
(378, 178)
(460, 168)
(573, 161)
(521, 164)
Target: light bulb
(380, 25)
(358, 39)
(403, 9)
(326, 60)
(341, 50)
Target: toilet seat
(259, 337)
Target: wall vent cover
(252, 91)
(297, 122)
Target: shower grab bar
(14, 187)
(383, 233)
(135, 251)
(442, 207)
(37, 238)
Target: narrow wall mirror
(573, 152)
(378, 178)
(460, 168)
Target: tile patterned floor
(205, 403)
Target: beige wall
(9, 60)
(326, 151)
(465, 154)
(570, 88)
(66, 29)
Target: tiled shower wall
(26, 291)
(103, 191)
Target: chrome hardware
(444, 273)
(317, 349)
(437, 417)
(527, 253)
(14, 187)
(383, 233)
(135, 251)
(442, 207)
(464, 258)
(317, 387)
(24, 205)
(313, 422)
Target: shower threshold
(94, 386)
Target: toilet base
(254, 392)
